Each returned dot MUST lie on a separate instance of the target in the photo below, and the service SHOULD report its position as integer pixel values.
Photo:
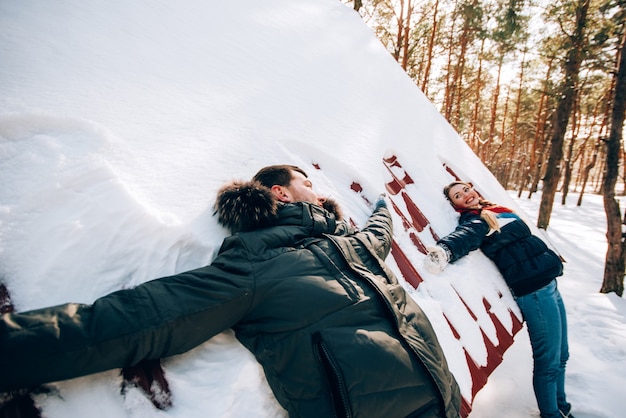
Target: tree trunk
(449, 85)
(494, 108)
(407, 35)
(561, 116)
(536, 159)
(614, 265)
(539, 169)
(457, 79)
(400, 35)
(429, 53)
(474, 140)
(504, 164)
(588, 167)
(588, 162)
(516, 153)
(570, 159)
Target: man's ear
(280, 193)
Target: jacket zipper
(338, 392)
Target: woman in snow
(530, 269)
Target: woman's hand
(436, 260)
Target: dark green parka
(312, 299)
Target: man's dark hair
(277, 174)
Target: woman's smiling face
(463, 196)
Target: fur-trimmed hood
(243, 206)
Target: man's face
(300, 189)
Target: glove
(380, 203)
(436, 260)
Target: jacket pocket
(334, 378)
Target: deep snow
(119, 121)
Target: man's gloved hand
(381, 202)
(436, 260)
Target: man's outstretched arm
(157, 319)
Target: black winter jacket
(524, 260)
(334, 331)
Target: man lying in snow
(308, 295)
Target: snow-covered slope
(119, 121)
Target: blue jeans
(545, 318)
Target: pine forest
(536, 88)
